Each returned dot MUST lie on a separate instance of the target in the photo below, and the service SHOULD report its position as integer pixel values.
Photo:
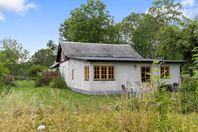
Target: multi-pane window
(104, 72)
(145, 74)
(86, 73)
(96, 72)
(111, 72)
(165, 72)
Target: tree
(129, 24)
(166, 11)
(3, 69)
(140, 31)
(14, 55)
(144, 37)
(172, 40)
(45, 57)
(191, 30)
(178, 42)
(34, 70)
(52, 46)
(90, 22)
(14, 51)
(195, 64)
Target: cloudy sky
(34, 22)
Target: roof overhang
(125, 59)
(55, 65)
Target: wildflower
(41, 127)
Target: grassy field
(25, 108)
(48, 97)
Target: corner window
(165, 72)
(145, 74)
(104, 72)
(86, 73)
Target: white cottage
(93, 68)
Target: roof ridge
(70, 42)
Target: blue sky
(34, 22)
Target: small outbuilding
(93, 68)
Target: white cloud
(17, 6)
(190, 8)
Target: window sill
(104, 79)
(165, 78)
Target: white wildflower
(41, 127)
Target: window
(86, 73)
(104, 72)
(96, 72)
(72, 74)
(111, 72)
(165, 72)
(145, 74)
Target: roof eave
(136, 60)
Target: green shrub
(34, 71)
(189, 102)
(42, 81)
(45, 78)
(58, 82)
(188, 84)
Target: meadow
(24, 107)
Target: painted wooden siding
(123, 72)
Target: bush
(188, 84)
(189, 102)
(58, 82)
(34, 71)
(41, 81)
(45, 78)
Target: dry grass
(17, 114)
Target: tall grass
(144, 113)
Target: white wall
(78, 66)
(124, 71)
(175, 76)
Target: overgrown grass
(27, 107)
(47, 96)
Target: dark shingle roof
(77, 49)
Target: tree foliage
(46, 56)
(144, 37)
(13, 56)
(129, 25)
(34, 70)
(177, 42)
(166, 11)
(3, 69)
(14, 50)
(162, 33)
(90, 22)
